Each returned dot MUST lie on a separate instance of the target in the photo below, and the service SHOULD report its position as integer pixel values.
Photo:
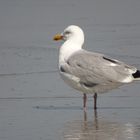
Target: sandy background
(35, 104)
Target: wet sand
(35, 104)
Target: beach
(35, 103)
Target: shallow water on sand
(34, 102)
(62, 118)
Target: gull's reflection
(99, 129)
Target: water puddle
(100, 129)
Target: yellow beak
(58, 37)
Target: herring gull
(90, 72)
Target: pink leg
(95, 101)
(84, 101)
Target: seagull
(90, 72)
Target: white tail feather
(136, 79)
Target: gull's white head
(71, 33)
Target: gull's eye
(67, 32)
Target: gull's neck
(68, 48)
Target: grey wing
(97, 69)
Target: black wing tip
(110, 60)
(136, 74)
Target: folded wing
(95, 68)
